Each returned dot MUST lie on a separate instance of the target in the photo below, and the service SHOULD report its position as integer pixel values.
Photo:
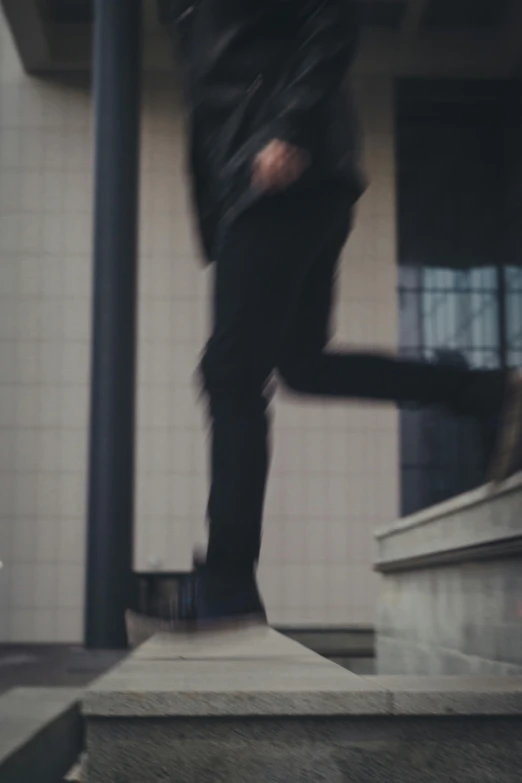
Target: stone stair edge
(347, 694)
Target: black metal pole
(117, 78)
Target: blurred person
(274, 169)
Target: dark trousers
(274, 285)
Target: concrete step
(451, 587)
(40, 734)
(257, 707)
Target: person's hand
(279, 165)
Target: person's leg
(273, 292)
(273, 298)
(307, 366)
(259, 273)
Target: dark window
(460, 256)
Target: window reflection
(455, 310)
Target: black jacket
(256, 70)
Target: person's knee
(227, 375)
(294, 372)
(219, 375)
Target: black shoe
(205, 601)
(508, 435)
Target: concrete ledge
(478, 519)
(334, 750)
(40, 734)
(261, 673)
(258, 707)
(255, 672)
(446, 696)
(405, 656)
(451, 591)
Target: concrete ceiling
(435, 38)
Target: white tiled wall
(45, 229)
(334, 475)
(335, 466)
(171, 460)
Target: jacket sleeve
(326, 41)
